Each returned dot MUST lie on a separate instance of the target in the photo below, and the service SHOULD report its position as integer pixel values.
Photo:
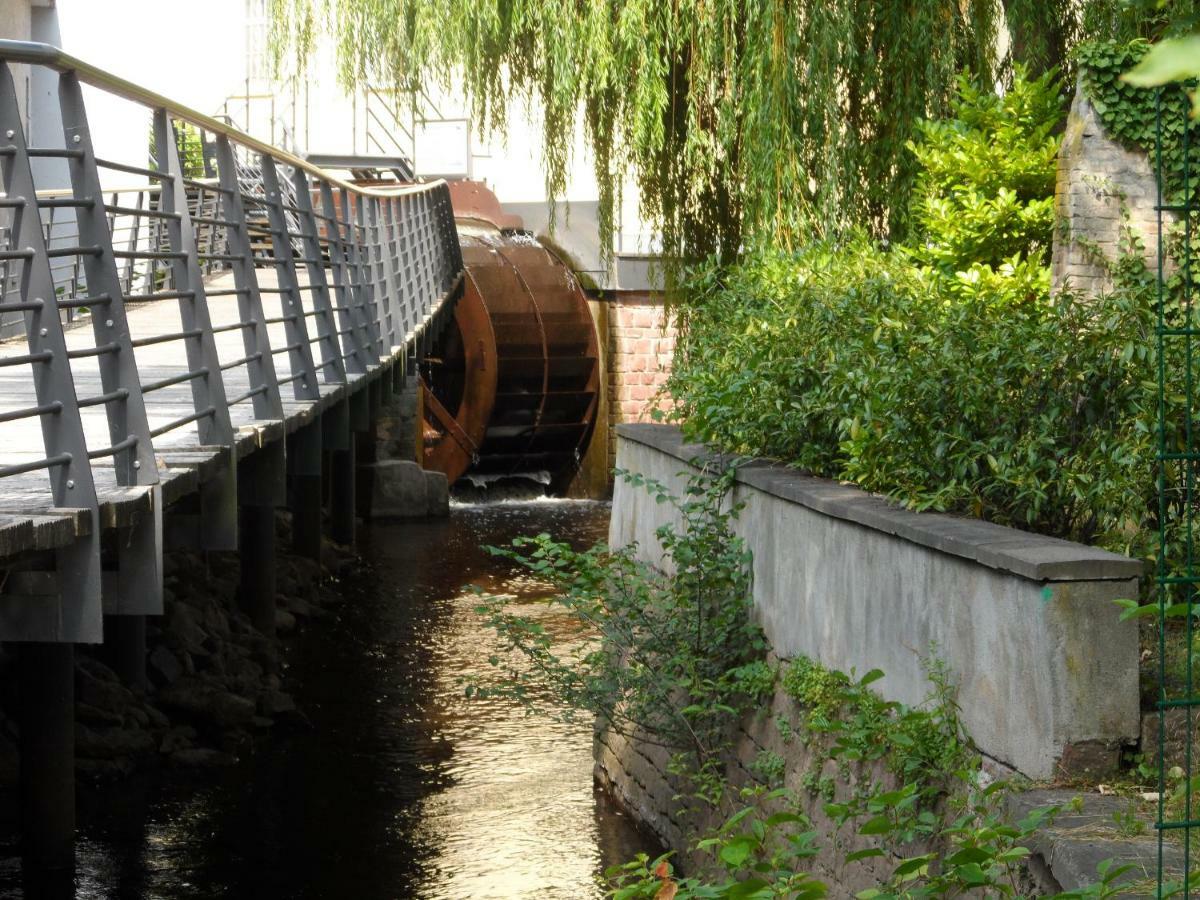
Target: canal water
(403, 788)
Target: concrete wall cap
(1024, 553)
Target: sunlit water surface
(403, 789)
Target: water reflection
(403, 789)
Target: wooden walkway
(181, 456)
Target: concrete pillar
(124, 648)
(47, 745)
(305, 466)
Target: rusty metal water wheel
(512, 385)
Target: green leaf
(1174, 59)
(750, 888)
(871, 677)
(877, 825)
(737, 851)
(972, 874)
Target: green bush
(985, 192)
(944, 375)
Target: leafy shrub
(977, 392)
(945, 376)
(986, 189)
(947, 834)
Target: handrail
(329, 288)
(41, 54)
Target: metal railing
(324, 282)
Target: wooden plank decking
(28, 521)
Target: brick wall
(638, 361)
(1101, 185)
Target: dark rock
(93, 688)
(215, 665)
(183, 630)
(202, 757)
(111, 743)
(245, 674)
(297, 606)
(284, 621)
(207, 702)
(178, 738)
(156, 717)
(1089, 759)
(85, 712)
(139, 717)
(276, 703)
(165, 665)
(216, 622)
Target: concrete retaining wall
(1047, 676)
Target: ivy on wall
(1129, 114)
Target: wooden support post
(47, 775)
(304, 462)
(262, 487)
(256, 591)
(342, 463)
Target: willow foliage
(741, 121)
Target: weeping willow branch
(740, 121)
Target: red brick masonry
(639, 359)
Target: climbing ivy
(1128, 112)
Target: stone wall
(1047, 676)
(636, 774)
(1101, 186)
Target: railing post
(332, 363)
(134, 588)
(304, 373)
(385, 289)
(353, 339)
(408, 250)
(208, 390)
(118, 371)
(73, 611)
(218, 520)
(399, 328)
(267, 403)
(372, 301)
(360, 276)
(76, 615)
